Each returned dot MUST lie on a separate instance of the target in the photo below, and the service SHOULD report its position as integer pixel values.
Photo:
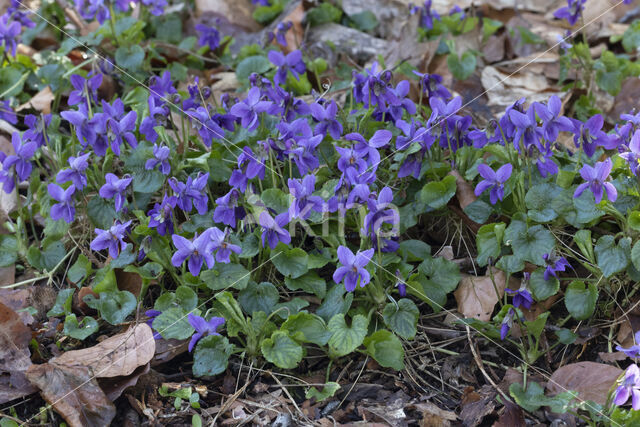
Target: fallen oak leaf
(74, 393)
(41, 101)
(116, 356)
(15, 357)
(476, 295)
(591, 380)
(464, 190)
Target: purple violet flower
(401, 285)
(571, 12)
(353, 270)
(203, 328)
(507, 323)
(325, 115)
(75, 172)
(596, 181)
(553, 122)
(115, 187)
(198, 251)
(272, 229)
(633, 351)
(633, 155)
(65, 209)
(160, 157)
(6, 112)
(18, 164)
(431, 84)
(209, 36)
(9, 33)
(292, 62)
(112, 239)
(156, 7)
(427, 15)
(227, 209)
(303, 199)
(248, 109)
(493, 180)
(630, 386)
(85, 90)
(521, 297)
(222, 245)
(590, 134)
(161, 216)
(36, 128)
(554, 264)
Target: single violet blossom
(247, 111)
(6, 112)
(596, 181)
(325, 115)
(571, 12)
(554, 264)
(17, 166)
(115, 188)
(303, 199)
(521, 297)
(203, 328)
(161, 216)
(197, 251)
(507, 323)
(222, 246)
(65, 209)
(629, 387)
(493, 180)
(353, 270)
(75, 173)
(633, 351)
(292, 62)
(273, 231)
(209, 36)
(112, 239)
(9, 33)
(160, 157)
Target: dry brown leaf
(17, 299)
(477, 404)
(503, 89)
(41, 101)
(236, 12)
(464, 190)
(15, 357)
(296, 34)
(113, 387)
(476, 295)
(591, 380)
(116, 356)
(626, 100)
(432, 416)
(168, 349)
(128, 281)
(616, 356)
(73, 393)
(511, 417)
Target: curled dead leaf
(591, 380)
(118, 355)
(41, 101)
(15, 357)
(477, 297)
(74, 393)
(464, 190)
